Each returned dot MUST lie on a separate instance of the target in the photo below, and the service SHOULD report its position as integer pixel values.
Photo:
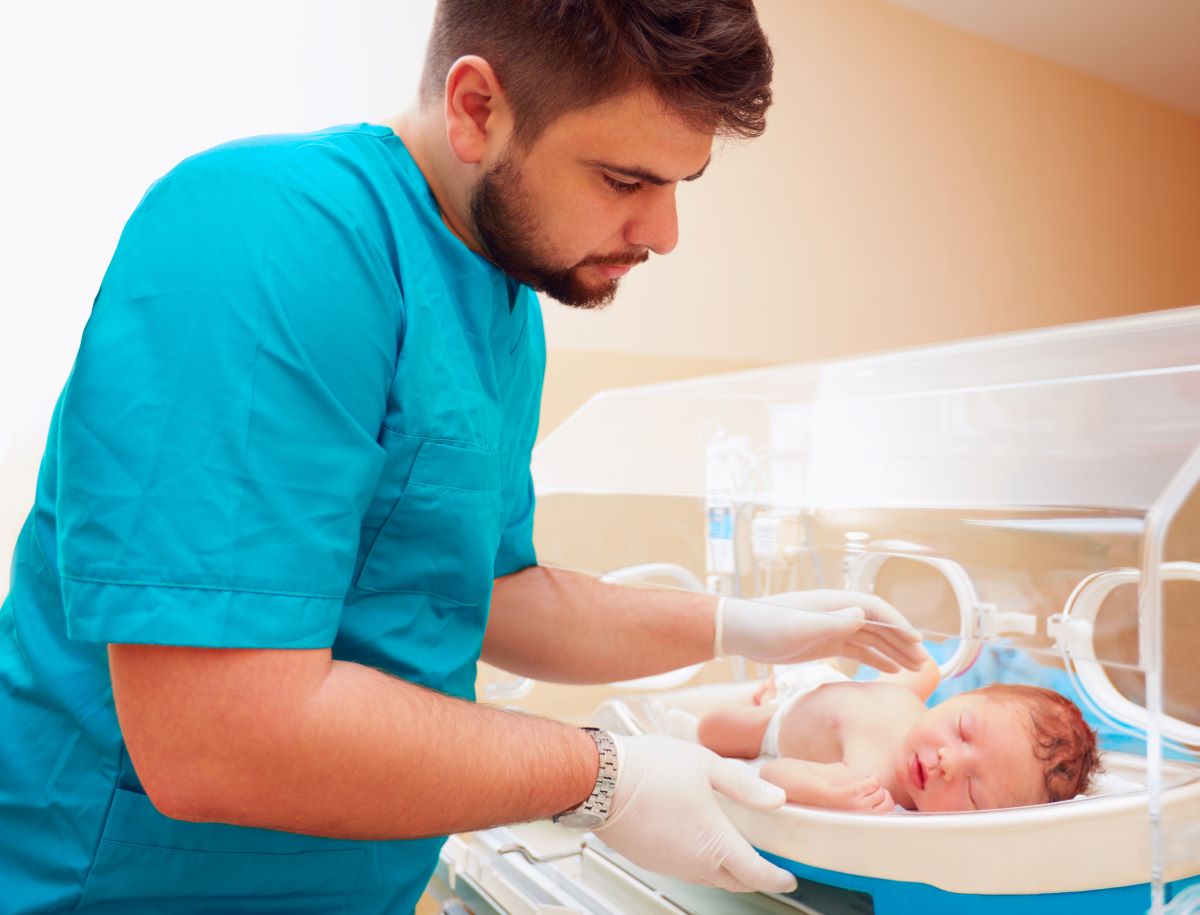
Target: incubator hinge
(991, 622)
(1072, 637)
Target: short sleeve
(218, 435)
(516, 550)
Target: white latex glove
(665, 817)
(808, 625)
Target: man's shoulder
(349, 181)
(329, 163)
(269, 153)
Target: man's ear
(478, 118)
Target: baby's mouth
(916, 772)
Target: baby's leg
(735, 732)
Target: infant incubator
(1031, 502)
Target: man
(286, 504)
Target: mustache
(627, 259)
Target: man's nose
(656, 224)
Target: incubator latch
(1072, 637)
(990, 622)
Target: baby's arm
(922, 682)
(831, 785)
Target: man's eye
(962, 727)
(621, 187)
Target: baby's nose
(945, 763)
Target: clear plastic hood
(1101, 414)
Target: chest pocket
(443, 531)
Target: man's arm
(293, 740)
(565, 627)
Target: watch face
(581, 820)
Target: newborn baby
(869, 746)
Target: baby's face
(970, 753)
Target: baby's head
(1000, 746)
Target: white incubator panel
(1029, 501)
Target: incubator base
(893, 897)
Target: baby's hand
(866, 795)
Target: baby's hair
(1062, 741)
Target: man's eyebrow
(642, 174)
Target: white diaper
(792, 684)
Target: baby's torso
(860, 724)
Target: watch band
(595, 808)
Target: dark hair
(1062, 741)
(707, 60)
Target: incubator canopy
(1100, 415)
(1014, 486)
(1029, 501)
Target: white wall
(99, 100)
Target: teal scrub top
(301, 416)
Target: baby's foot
(866, 795)
(766, 692)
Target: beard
(507, 231)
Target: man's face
(592, 197)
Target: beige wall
(572, 376)
(915, 184)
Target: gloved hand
(665, 817)
(807, 625)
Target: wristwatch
(594, 810)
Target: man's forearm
(566, 627)
(259, 740)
